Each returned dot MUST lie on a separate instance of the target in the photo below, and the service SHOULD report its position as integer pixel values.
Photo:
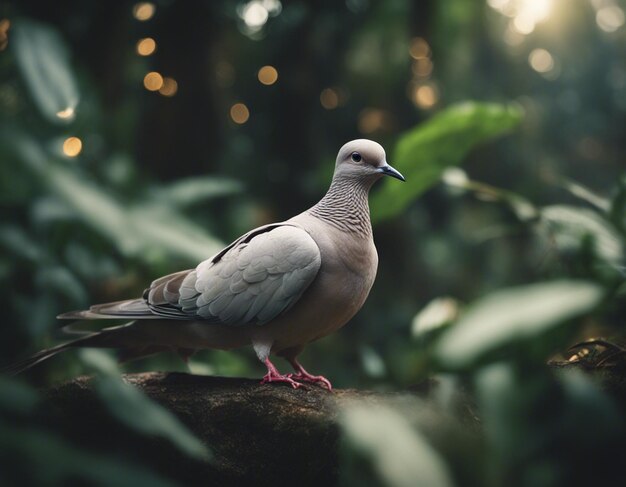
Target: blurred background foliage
(137, 138)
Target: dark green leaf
(53, 462)
(134, 230)
(569, 225)
(422, 154)
(134, 409)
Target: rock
(258, 434)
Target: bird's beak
(387, 170)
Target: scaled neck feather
(345, 206)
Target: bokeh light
(146, 46)
(143, 11)
(329, 98)
(423, 67)
(153, 81)
(541, 60)
(72, 146)
(5, 24)
(425, 96)
(239, 113)
(268, 75)
(169, 88)
(419, 48)
(524, 14)
(374, 120)
(610, 18)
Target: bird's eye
(356, 157)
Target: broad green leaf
(423, 153)
(43, 59)
(514, 314)
(133, 408)
(536, 423)
(135, 231)
(51, 461)
(401, 456)
(190, 191)
(100, 361)
(569, 225)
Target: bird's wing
(253, 280)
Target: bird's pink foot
(274, 376)
(302, 375)
(313, 379)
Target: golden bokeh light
(153, 81)
(146, 46)
(66, 114)
(422, 67)
(373, 120)
(169, 88)
(5, 24)
(268, 75)
(143, 11)
(329, 98)
(419, 48)
(239, 113)
(425, 96)
(72, 146)
(541, 60)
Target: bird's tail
(109, 337)
(25, 364)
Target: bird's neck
(345, 206)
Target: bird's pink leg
(274, 376)
(302, 375)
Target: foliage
(481, 280)
(423, 154)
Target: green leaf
(190, 191)
(400, 454)
(569, 225)
(514, 314)
(135, 231)
(423, 153)
(47, 460)
(43, 60)
(134, 409)
(537, 423)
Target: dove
(277, 288)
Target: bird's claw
(313, 379)
(268, 378)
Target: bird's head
(364, 159)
